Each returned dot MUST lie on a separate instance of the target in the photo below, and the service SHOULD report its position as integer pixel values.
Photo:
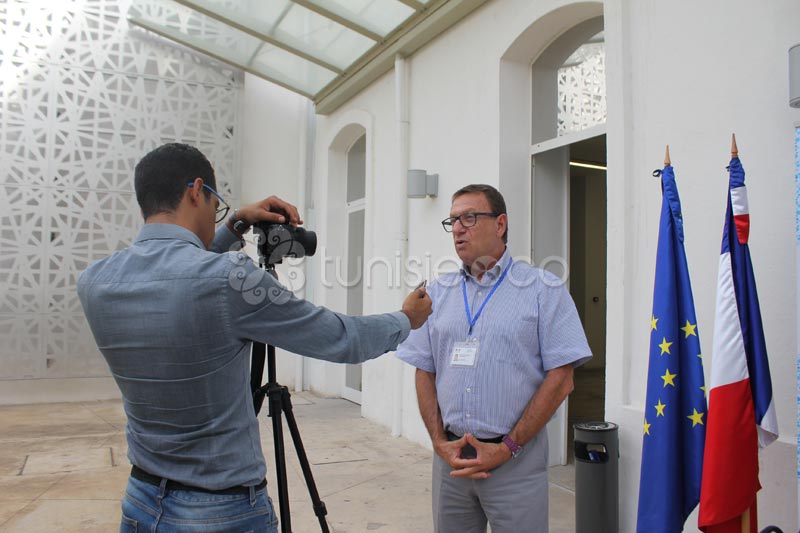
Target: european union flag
(674, 416)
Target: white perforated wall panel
(82, 97)
(582, 89)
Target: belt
(494, 440)
(141, 475)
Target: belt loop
(162, 488)
(252, 496)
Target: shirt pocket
(515, 341)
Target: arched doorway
(348, 169)
(568, 184)
(553, 144)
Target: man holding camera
(494, 362)
(175, 315)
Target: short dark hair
(161, 177)
(496, 202)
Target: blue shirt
(175, 323)
(528, 327)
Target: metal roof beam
(342, 18)
(271, 75)
(285, 42)
(414, 4)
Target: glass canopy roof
(307, 46)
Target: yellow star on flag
(668, 379)
(646, 427)
(653, 322)
(703, 388)
(689, 329)
(696, 418)
(664, 346)
(700, 355)
(660, 408)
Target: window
(356, 192)
(582, 87)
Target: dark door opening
(587, 280)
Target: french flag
(741, 411)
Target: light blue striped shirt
(528, 327)
(175, 323)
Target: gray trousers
(514, 499)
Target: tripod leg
(275, 411)
(319, 506)
(280, 403)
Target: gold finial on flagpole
(734, 148)
(667, 162)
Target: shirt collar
(168, 231)
(493, 273)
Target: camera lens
(276, 241)
(307, 239)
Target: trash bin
(596, 477)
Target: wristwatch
(239, 225)
(515, 448)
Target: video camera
(276, 241)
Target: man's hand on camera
(417, 307)
(271, 209)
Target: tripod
(280, 403)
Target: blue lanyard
(473, 321)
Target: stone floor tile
(333, 455)
(9, 509)
(14, 446)
(25, 488)
(11, 464)
(50, 420)
(562, 510)
(67, 461)
(563, 476)
(388, 503)
(104, 484)
(110, 411)
(67, 516)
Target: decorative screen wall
(582, 88)
(82, 98)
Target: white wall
(273, 163)
(681, 73)
(692, 74)
(374, 112)
(272, 140)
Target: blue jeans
(148, 508)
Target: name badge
(465, 353)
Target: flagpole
(745, 517)
(667, 162)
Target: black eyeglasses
(467, 220)
(222, 210)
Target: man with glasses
(175, 315)
(494, 361)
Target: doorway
(568, 225)
(355, 208)
(587, 238)
(569, 240)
